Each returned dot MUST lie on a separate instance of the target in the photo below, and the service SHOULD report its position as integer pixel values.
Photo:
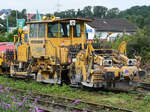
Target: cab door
(37, 40)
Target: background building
(2, 16)
(109, 28)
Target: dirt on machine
(56, 51)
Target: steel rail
(145, 86)
(44, 99)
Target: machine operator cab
(47, 37)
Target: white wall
(102, 35)
(106, 36)
(11, 29)
(111, 37)
(90, 31)
(3, 16)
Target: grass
(13, 103)
(136, 102)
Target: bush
(140, 45)
(8, 37)
(137, 44)
(3, 38)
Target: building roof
(1, 14)
(112, 25)
(31, 16)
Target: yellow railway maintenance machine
(46, 53)
(56, 51)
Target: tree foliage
(137, 44)
(16, 15)
(113, 13)
(139, 15)
(100, 11)
(2, 26)
(140, 44)
(8, 37)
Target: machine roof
(60, 20)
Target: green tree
(100, 11)
(2, 26)
(139, 15)
(79, 13)
(12, 19)
(70, 13)
(112, 13)
(24, 14)
(15, 13)
(137, 44)
(87, 11)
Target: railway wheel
(75, 79)
(141, 75)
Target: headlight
(107, 62)
(132, 62)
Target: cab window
(77, 30)
(41, 31)
(65, 29)
(33, 30)
(52, 30)
(37, 30)
(26, 37)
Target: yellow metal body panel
(1, 60)
(114, 69)
(80, 65)
(22, 52)
(55, 46)
(21, 73)
(96, 78)
(63, 54)
(122, 48)
(37, 48)
(45, 75)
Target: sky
(50, 6)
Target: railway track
(50, 103)
(145, 86)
